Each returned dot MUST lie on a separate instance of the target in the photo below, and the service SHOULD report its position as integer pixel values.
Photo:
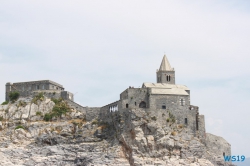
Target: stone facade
(51, 89)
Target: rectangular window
(37, 87)
(163, 107)
(186, 121)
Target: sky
(96, 49)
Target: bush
(5, 103)
(38, 113)
(38, 97)
(168, 120)
(48, 117)
(1, 118)
(19, 127)
(13, 96)
(154, 118)
(94, 122)
(22, 104)
(60, 108)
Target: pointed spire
(165, 65)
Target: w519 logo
(234, 158)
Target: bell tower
(165, 74)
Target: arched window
(126, 105)
(186, 121)
(142, 104)
(168, 78)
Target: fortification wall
(202, 128)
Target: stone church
(160, 96)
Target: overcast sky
(97, 49)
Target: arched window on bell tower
(168, 78)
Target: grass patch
(5, 103)
(19, 127)
(154, 118)
(94, 122)
(38, 113)
(21, 104)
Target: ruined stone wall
(202, 128)
(26, 88)
(92, 113)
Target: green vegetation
(5, 103)
(1, 118)
(94, 122)
(38, 113)
(168, 119)
(171, 118)
(22, 104)
(19, 127)
(40, 97)
(60, 108)
(13, 96)
(154, 118)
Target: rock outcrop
(133, 138)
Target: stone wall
(202, 128)
(26, 88)
(133, 97)
(92, 113)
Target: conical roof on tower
(165, 65)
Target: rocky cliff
(133, 138)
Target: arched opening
(223, 153)
(186, 121)
(168, 78)
(126, 105)
(135, 103)
(142, 104)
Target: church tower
(165, 74)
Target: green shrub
(60, 108)
(13, 96)
(19, 127)
(48, 117)
(22, 104)
(38, 113)
(154, 118)
(1, 118)
(40, 97)
(168, 120)
(5, 103)
(94, 122)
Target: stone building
(50, 89)
(162, 98)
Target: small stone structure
(49, 88)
